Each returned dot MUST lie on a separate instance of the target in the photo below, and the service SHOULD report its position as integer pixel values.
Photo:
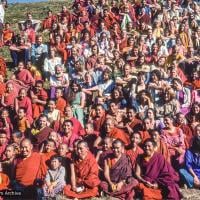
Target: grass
(17, 12)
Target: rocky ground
(188, 194)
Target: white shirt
(2, 13)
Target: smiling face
(26, 148)
(118, 149)
(82, 150)
(148, 149)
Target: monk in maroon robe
(84, 174)
(158, 180)
(39, 134)
(118, 174)
(24, 75)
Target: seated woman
(157, 178)
(191, 171)
(175, 140)
(77, 101)
(183, 95)
(193, 116)
(118, 174)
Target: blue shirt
(192, 160)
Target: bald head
(26, 148)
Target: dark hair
(150, 140)
(50, 140)
(157, 73)
(68, 121)
(56, 157)
(18, 134)
(177, 80)
(196, 144)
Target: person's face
(38, 87)
(154, 77)
(150, 32)
(51, 105)
(3, 139)
(49, 147)
(4, 114)
(55, 164)
(9, 88)
(148, 148)
(99, 111)
(126, 70)
(67, 127)
(181, 119)
(42, 122)
(135, 51)
(168, 122)
(82, 150)
(135, 139)
(155, 136)
(166, 96)
(94, 50)
(197, 131)
(196, 109)
(89, 129)
(147, 124)
(116, 94)
(39, 40)
(130, 114)
(1, 78)
(117, 149)
(113, 108)
(75, 88)
(62, 150)
(22, 94)
(161, 62)
(195, 75)
(88, 78)
(109, 125)
(68, 112)
(10, 152)
(141, 79)
(176, 85)
(141, 60)
(21, 113)
(106, 144)
(58, 93)
(150, 114)
(58, 70)
(53, 136)
(26, 149)
(105, 76)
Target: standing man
(2, 14)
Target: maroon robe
(120, 171)
(39, 138)
(158, 170)
(25, 76)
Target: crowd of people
(108, 106)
